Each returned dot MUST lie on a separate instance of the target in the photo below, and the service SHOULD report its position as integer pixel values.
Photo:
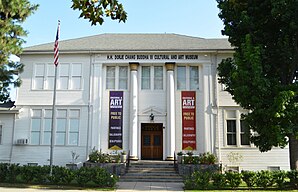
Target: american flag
(56, 46)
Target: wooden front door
(152, 141)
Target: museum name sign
(152, 57)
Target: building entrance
(152, 141)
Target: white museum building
(151, 95)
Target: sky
(197, 18)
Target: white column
(134, 145)
(170, 128)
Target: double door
(152, 141)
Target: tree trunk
(293, 149)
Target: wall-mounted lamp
(151, 117)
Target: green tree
(262, 76)
(96, 10)
(12, 15)
(14, 12)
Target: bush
(13, 171)
(103, 178)
(233, 179)
(293, 176)
(249, 177)
(219, 180)
(83, 175)
(198, 180)
(3, 171)
(61, 175)
(264, 179)
(29, 173)
(279, 178)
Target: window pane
(38, 83)
(35, 138)
(145, 77)
(158, 77)
(60, 138)
(61, 112)
(194, 78)
(36, 112)
(63, 83)
(39, 70)
(0, 134)
(245, 133)
(48, 113)
(74, 125)
(181, 77)
(47, 124)
(123, 77)
(76, 83)
(74, 113)
(50, 83)
(73, 138)
(36, 124)
(47, 138)
(231, 132)
(110, 78)
(51, 70)
(61, 125)
(64, 70)
(231, 126)
(76, 69)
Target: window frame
(237, 118)
(188, 77)
(116, 77)
(1, 134)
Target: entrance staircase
(151, 171)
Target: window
(231, 132)
(152, 78)
(36, 126)
(158, 77)
(146, 76)
(67, 126)
(187, 77)
(116, 77)
(1, 134)
(181, 77)
(237, 131)
(123, 77)
(69, 76)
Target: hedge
(85, 176)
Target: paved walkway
(121, 187)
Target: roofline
(128, 51)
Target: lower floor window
(67, 127)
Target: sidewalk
(121, 187)
(149, 186)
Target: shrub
(207, 158)
(219, 180)
(29, 173)
(198, 180)
(83, 175)
(279, 178)
(249, 177)
(61, 175)
(103, 178)
(3, 171)
(233, 179)
(264, 179)
(13, 171)
(293, 176)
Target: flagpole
(53, 123)
(53, 127)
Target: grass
(62, 187)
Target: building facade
(150, 94)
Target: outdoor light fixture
(151, 117)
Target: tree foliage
(12, 14)
(96, 10)
(263, 74)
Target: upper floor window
(69, 76)
(152, 78)
(116, 77)
(237, 132)
(187, 77)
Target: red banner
(188, 120)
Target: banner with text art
(188, 120)
(115, 120)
